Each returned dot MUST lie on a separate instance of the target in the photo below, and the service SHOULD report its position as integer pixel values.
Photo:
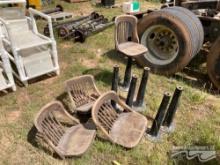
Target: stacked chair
(67, 137)
(82, 92)
(31, 53)
(6, 77)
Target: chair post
(130, 96)
(139, 103)
(115, 81)
(168, 120)
(115, 78)
(127, 76)
(153, 133)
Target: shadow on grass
(115, 56)
(35, 80)
(32, 139)
(5, 92)
(100, 74)
(197, 80)
(64, 99)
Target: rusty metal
(58, 8)
(82, 33)
(80, 29)
(213, 63)
(67, 23)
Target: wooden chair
(82, 92)
(63, 133)
(126, 37)
(125, 128)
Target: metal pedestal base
(139, 108)
(169, 129)
(154, 139)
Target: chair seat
(132, 49)
(76, 140)
(128, 129)
(85, 108)
(22, 40)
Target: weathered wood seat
(126, 37)
(82, 92)
(122, 126)
(62, 132)
(131, 49)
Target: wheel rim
(63, 31)
(162, 44)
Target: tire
(213, 63)
(179, 26)
(197, 25)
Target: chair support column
(160, 116)
(139, 103)
(115, 78)
(127, 76)
(172, 107)
(115, 81)
(131, 92)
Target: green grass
(197, 120)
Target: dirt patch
(66, 45)
(203, 111)
(50, 80)
(6, 141)
(64, 65)
(90, 63)
(23, 97)
(13, 116)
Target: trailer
(177, 32)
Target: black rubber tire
(197, 25)
(186, 27)
(213, 63)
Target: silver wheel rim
(162, 44)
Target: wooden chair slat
(82, 89)
(125, 128)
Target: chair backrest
(82, 89)
(125, 29)
(13, 9)
(12, 13)
(103, 113)
(46, 122)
